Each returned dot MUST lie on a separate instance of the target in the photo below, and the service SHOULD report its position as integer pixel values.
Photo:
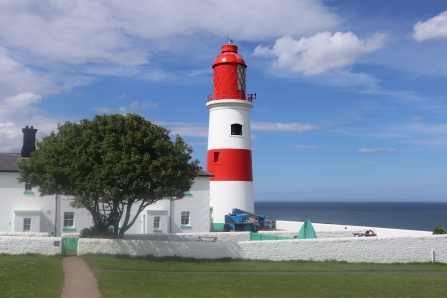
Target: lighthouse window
(240, 78)
(216, 157)
(236, 129)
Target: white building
(23, 210)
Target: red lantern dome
(229, 74)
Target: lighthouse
(229, 139)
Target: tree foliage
(439, 231)
(111, 164)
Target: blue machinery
(239, 220)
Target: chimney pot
(29, 141)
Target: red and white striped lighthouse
(229, 140)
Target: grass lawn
(31, 276)
(178, 277)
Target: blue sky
(351, 95)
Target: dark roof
(8, 162)
(204, 173)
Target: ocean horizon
(421, 216)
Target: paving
(79, 280)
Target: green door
(69, 246)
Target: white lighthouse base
(226, 195)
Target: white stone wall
(372, 249)
(329, 229)
(15, 245)
(24, 234)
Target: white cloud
(416, 118)
(373, 150)
(361, 119)
(435, 27)
(294, 127)
(81, 31)
(21, 90)
(15, 78)
(306, 146)
(185, 129)
(132, 108)
(321, 52)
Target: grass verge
(31, 276)
(177, 264)
(114, 284)
(183, 277)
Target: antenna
(230, 41)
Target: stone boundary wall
(24, 234)
(231, 236)
(70, 235)
(331, 228)
(14, 245)
(372, 249)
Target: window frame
(234, 127)
(185, 219)
(157, 221)
(67, 220)
(27, 224)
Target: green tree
(110, 165)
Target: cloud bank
(321, 52)
(373, 150)
(435, 27)
(293, 127)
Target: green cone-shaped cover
(307, 231)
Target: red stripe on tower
(230, 165)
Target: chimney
(29, 141)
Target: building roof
(204, 173)
(8, 162)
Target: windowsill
(185, 227)
(68, 229)
(28, 192)
(156, 231)
(187, 193)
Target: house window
(236, 129)
(27, 224)
(157, 222)
(28, 186)
(185, 218)
(68, 219)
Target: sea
(411, 216)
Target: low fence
(24, 234)
(372, 249)
(16, 245)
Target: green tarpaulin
(307, 231)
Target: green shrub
(96, 233)
(439, 230)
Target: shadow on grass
(230, 260)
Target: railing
(232, 95)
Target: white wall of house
(16, 205)
(196, 202)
